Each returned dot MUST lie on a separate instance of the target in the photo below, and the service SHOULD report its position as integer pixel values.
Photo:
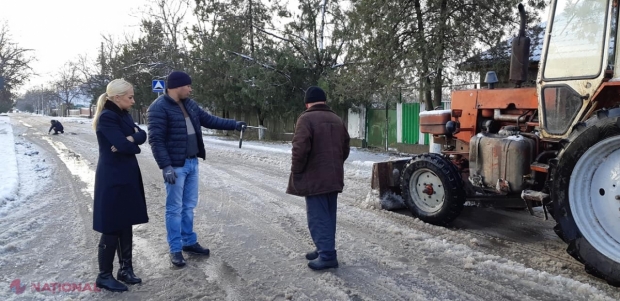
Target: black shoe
(312, 255)
(320, 264)
(106, 281)
(177, 259)
(126, 275)
(196, 249)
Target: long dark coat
(119, 191)
(320, 147)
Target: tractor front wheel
(432, 188)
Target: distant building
(81, 100)
(498, 59)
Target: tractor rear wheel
(432, 188)
(585, 194)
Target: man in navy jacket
(175, 136)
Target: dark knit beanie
(315, 94)
(178, 79)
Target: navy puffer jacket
(168, 133)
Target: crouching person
(57, 127)
(320, 147)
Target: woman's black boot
(125, 273)
(107, 250)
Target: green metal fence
(411, 124)
(376, 127)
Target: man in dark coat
(57, 127)
(320, 147)
(175, 136)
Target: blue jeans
(321, 212)
(181, 199)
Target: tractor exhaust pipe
(520, 55)
(523, 20)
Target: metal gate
(376, 127)
(411, 125)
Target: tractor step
(533, 195)
(530, 196)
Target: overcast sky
(59, 31)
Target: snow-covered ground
(8, 185)
(258, 234)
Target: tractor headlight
(452, 127)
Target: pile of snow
(10, 178)
(392, 201)
(31, 175)
(363, 163)
(372, 200)
(389, 201)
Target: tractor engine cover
(499, 162)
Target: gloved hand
(169, 175)
(241, 125)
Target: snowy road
(258, 235)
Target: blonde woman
(119, 192)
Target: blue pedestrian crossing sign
(158, 86)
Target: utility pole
(322, 25)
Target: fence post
(387, 123)
(261, 132)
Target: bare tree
(171, 14)
(15, 67)
(92, 76)
(68, 85)
(168, 17)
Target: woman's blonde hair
(117, 87)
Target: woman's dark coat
(119, 191)
(320, 147)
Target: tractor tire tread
(603, 124)
(452, 181)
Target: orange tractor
(556, 145)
